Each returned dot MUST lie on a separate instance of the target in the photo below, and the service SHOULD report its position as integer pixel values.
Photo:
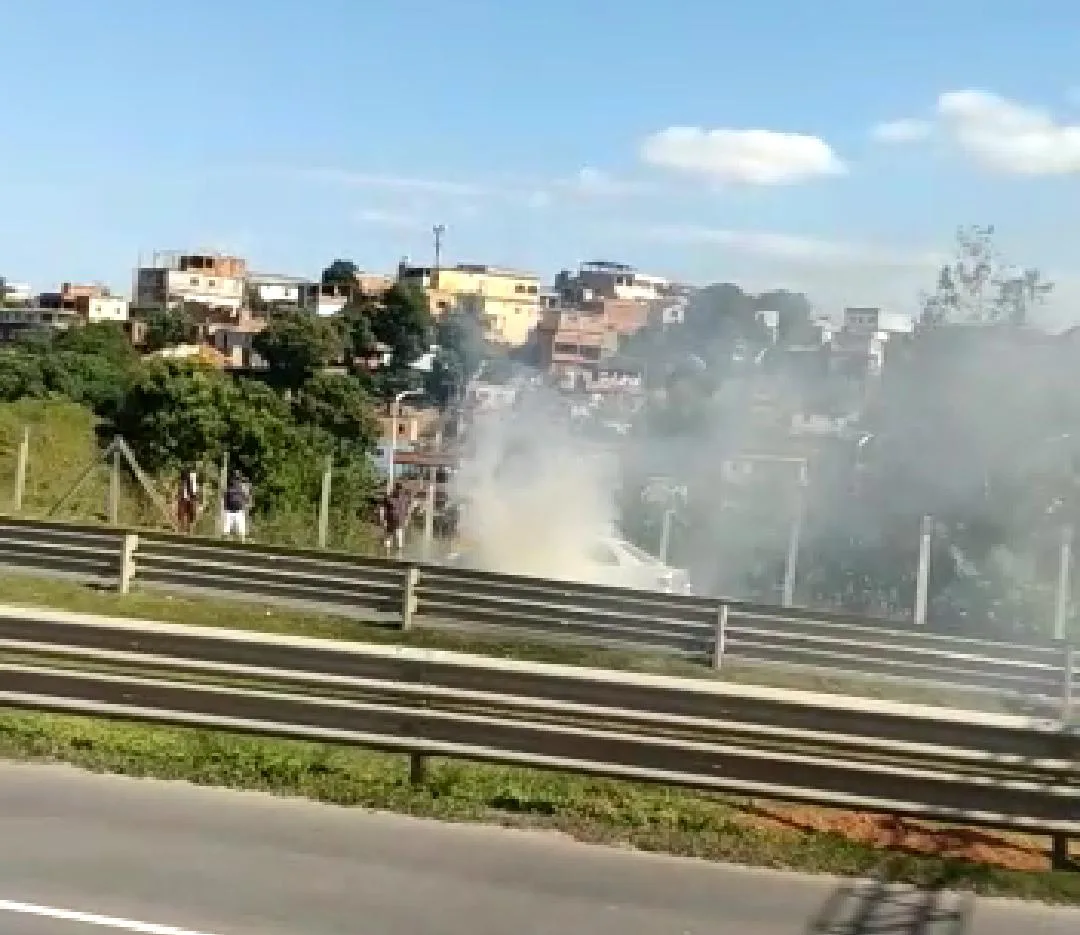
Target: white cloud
(750, 157)
(590, 181)
(1008, 136)
(380, 218)
(587, 182)
(794, 248)
(391, 182)
(907, 130)
(538, 200)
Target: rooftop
(606, 266)
(280, 279)
(481, 269)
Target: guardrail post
(417, 769)
(1060, 859)
(408, 597)
(128, 547)
(719, 636)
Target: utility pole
(438, 230)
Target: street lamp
(395, 407)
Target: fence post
(223, 480)
(114, 488)
(1061, 606)
(1067, 686)
(922, 575)
(20, 470)
(794, 538)
(128, 547)
(720, 636)
(324, 502)
(408, 597)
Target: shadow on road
(873, 907)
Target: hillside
(64, 443)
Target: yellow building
(506, 302)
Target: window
(533, 290)
(194, 281)
(212, 283)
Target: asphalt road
(82, 853)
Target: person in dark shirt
(395, 510)
(237, 499)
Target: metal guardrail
(696, 627)
(933, 763)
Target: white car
(618, 563)
(623, 564)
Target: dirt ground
(1010, 851)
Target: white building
(106, 308)
(601, 279)
(92, 304)
(330, 303)
(210, 280)
(15, 293)
(274, 289)
(876, 320)
(866, 333)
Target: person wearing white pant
(236, 524)
(236, 501)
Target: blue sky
(543, 134)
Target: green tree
(174, 412)
(169, 328)
(357, 331)
(21, 375)
(721, 314)
(296, 345)
(340, 406)
(263, 444)
(979, 287)
(794, 314)
(341, 276)
(107, 340)
(461, 350)
(93, 380)
(404, 324)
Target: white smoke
(536, 497)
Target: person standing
(237, 500)
(187, 499)
(394, 515)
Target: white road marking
(90, 918)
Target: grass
(646, 817)
(63, 444)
